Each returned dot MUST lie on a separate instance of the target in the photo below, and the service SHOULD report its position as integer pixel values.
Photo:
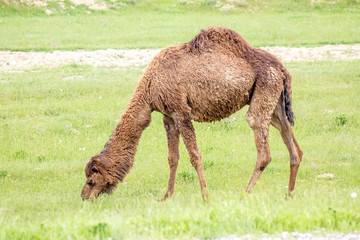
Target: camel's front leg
(183, 121)
(172, 134)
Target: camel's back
(214, 82)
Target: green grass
(154, 28)
(49, 116)
(68, 7)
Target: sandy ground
(17, 61)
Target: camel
(207, 79)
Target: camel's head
(98, 180)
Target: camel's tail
(288, 96)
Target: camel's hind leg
(279, 121)
(263, 102)
(172, 134)
(183, 121)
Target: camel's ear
(94, 169)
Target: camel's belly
(218, 93)
(213, 102)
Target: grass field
(149, 30)
(53, 120)
(151, 27)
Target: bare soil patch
(15, 61)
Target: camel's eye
(90, 183)
(94, 169)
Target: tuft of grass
(41, 158)
(101, 230)
(187, 176)
(208, 164)
(3, 173)
(341, 120)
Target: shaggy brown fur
(206, 79)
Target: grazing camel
(207, 79)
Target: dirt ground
(17, 61)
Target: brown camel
(207, 79)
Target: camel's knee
(257, 122)
(250, 120)
(143, 120)
(196, 163)
(300, 152)
(195, 159)
(295, 162)
(173, 162)
(264, 162)
(174, 157)
(295, 158)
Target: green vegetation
(53, 120)
(39, 7)
(154, 24)
(3, 173)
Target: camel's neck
(120, 150)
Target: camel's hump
(221, 36)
